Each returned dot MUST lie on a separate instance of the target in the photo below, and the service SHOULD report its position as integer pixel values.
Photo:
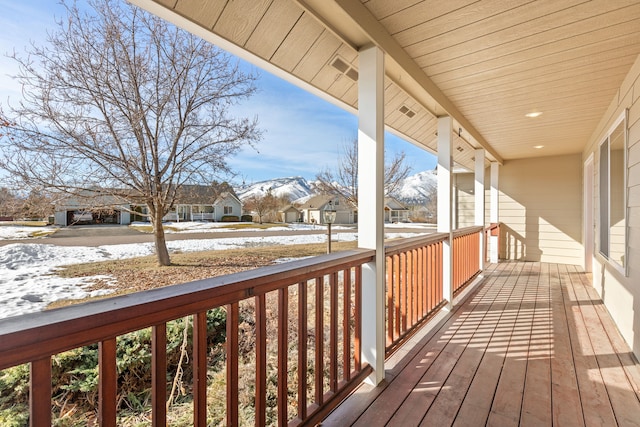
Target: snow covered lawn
(28, 280)
(8, 231)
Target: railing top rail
(467, 230)
(37, 335)
(395, 247)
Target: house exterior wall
(620, 289)
(236, 207)
(540, 208)
(464, 200)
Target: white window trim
(623, 118)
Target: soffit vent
(345, 68)
(407, 111)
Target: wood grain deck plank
(598, 411)
(448, 402)
(360, 406)
(507, 402)
(532, 345)
(536, 402)
(627, 359)
(567, 403)
(404, 386)
(622, 395)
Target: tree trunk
(161, 245)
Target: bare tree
(9, 203)
(344, 180)
(123, 104)
(262, 205)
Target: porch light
(329, 218)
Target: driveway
(99, 235)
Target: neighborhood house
(193, 203)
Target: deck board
(532, 345)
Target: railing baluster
(397, 295)
(40, 392)
(283, 355)
(302, 350)
(346, 326)
(159, 375)
(403, 288)
(108, 383)
(233, 316)
(419, 282)
(200, 369)
(357, 344)
(261, 360)
(333, 328)
(319, 338)
(411, 270)
(389, 285)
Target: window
(613, 204)
(228, 210)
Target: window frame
(605, 194)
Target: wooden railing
(466, 256)
(413, 285)
(324, 292)
(307, 312)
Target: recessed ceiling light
(537, 147)
(534, 114)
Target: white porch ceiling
(486, 63)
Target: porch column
(479, 201)
(493, 214)
(370, 205)
(445, 192)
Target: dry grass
(139, 274)
(25, 223)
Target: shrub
(246, 218)
(75, 372)
(230, 218)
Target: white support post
(493, 214)
(445, 145)
(370, 205)
(479, 201)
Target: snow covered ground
(28, 282)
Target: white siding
(621, 294)
(541, 209)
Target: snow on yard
(16, 232)
(27, 271)
(28, 280)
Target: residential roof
(319, 201)
(394, 204)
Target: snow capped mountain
(415, 190)
(293, 187)
(419, 188)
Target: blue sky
(303, 134)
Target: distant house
(395, 211)
(90, 207)
(290, 214)
(194, 203)
(313, 209)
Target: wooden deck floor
(533, 345)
